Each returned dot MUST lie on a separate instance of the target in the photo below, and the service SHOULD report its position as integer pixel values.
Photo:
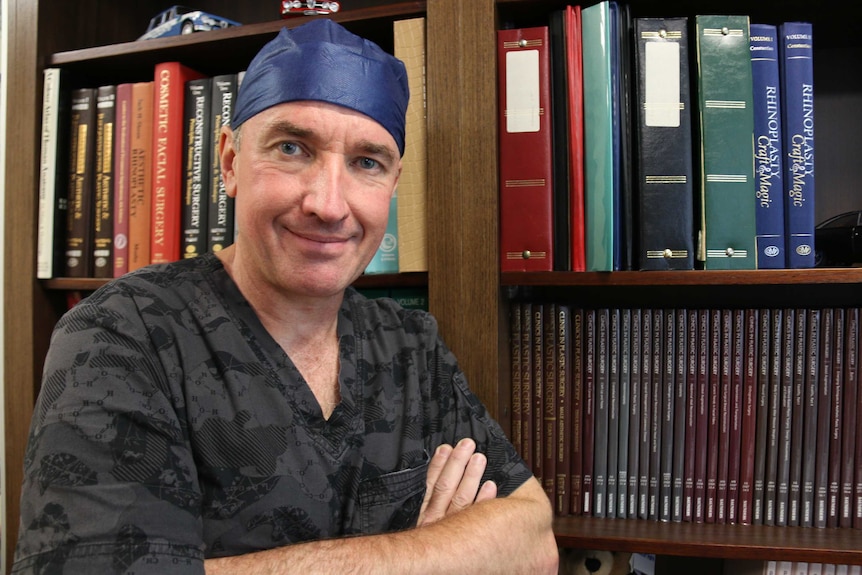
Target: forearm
(505, 535)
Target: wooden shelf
(407, 279)
(760, 542)
(685, 278)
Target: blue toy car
(178, 20)
(308, 7)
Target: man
(249, 412)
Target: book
(724, 414)
(538, 389)
(635, 385)
(385, 260)
(103, 205)
(220, 206)
(621, 113)
(53, 174)
(849, 417)
(797, 443)
(657, 371)
(197, 154)
(738, 354)
(550, 400)
(601, 410)
(665, 171)
(122, 164)
(703, 414)
(575, 116)
(624, 417)
(645, 435)
(785, 418)
(836, 422)
(167, 170)
(140, 174)
(688, 453)
(560, 140)
(768, 145)
(527, 384)
(525, 148)
(598, 137)
(762, 415)
(409, 47)
(796, 59)
(824, 416)
(78, 254)
(588, 434)
(562, 444)
(811, 411)
(714, 418)
(725, 146)
(515, 374)
(577, 411)
(749, 418)
(776, 356)
(613, 406)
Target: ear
(227, 153)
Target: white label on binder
(522, 91)
(661, 98)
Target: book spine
(196, 161)
(762, 416)
(849, 416)
(549, 400)
(691, 405)
(409, 46)
(749, 418)
(668, 411)
(122, 157)
(665, 172)
(680, 427)
(563, 444)
(736, 415)
(773, 426)
(515, 373)
(811, 409)
(575, 77)
(82, 150)
(656, 411)
(724, 415)
(797, 445)
(726, 145)
(836, 430)
(538, 411)
(167, 173)
(714, 428)
(598, 131)
(220, 206)
(645, 412)
(635, 387)
(769, 187)
(140, 175)
(624, 412)
(796, 57)
(526, 190)
(602, 412)
(53, 174)
(613, 403)
(785, 422)
(824, 416)
(527, 383)
(588, 434)
(577, 411)
(560, 138)
(385, 260)
(103, 206)
(703, 414)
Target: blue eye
(368, 163)
(290, 148)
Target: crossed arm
(463, 528)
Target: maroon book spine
(680, 428)
(702, 434)
(515, 373)
(589, 411)
(833, 493)
(797, 451)
(824, 406)
(724, 415)
(549, 399)
(736, 415)
(691, 401)
(713, 429)
(563, 444)
(538, 389)
(527, 383)
(656, 396)
(850, 416)
(749, 418)
(809, 433)
(577, 412)
(785, 418)
(776, 355)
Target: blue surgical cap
(323, 61)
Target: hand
(453, 483)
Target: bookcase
(93, 39)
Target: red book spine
(576, 136)
(168, 107)
(525, 136)
(122, 163)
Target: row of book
(655, 143)
(789, 568)
(130, 173)
(719, 415)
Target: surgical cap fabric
(323, 61)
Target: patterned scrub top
(171, 427)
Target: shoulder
(386, 314)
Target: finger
(468, 488)
(435, 467)
(487, 492)
(448, 480)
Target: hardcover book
(601, 411)
(220, 207)
(515, 373)
(726, 149)
(836, 422)
(78, 255)
(797, 444)
(810, 409)
(577, 411)
(562, 444)
(575, 94)
(850, 417)
(526, 187)
(53, 174)
(103, 206)
(598, 137)
(624, 417)
(140, 175)
(796, 53)
(824, 416)
(635, 386)
(613, 403)
(122, 163)
(646, 393)
(409, 46)
(385, 260)
(549, 400)
(167, 154)
(588, 427)
(668, 412)
(197, 153)
(702, 416)
(749, 418)
(768, 157)
(665, 172)
(560, 141)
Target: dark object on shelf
(838, 240)
(178, 20)
(308, 7)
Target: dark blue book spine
(769, 188)
(797, 96)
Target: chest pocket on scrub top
(391, 502)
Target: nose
(325, 195)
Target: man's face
(312, 183)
